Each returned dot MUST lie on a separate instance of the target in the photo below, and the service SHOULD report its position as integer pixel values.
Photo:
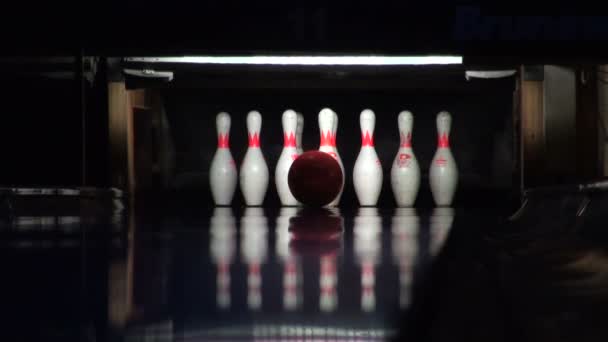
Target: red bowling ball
(315, 178)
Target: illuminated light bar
(304, 60)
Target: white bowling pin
(335, 143)
(328, 127)
(223, 173)
(299, 131)
(254, 170)
(288, 155)
(405, 172)
(443, 174)
(367, 173)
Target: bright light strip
(304, 60)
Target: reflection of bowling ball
(316, 249)
(316, 224)
(315, 178)
(315, 231)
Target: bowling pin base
(443, 198)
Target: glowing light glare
(304, 60)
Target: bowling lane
(282, 274)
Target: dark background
(42, 137)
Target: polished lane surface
(360, 274)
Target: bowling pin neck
(367, 139)
(289, 140)
(290, 123)
(405, 122)
(406, 139)
(367, 120)
(328, 138)
(254, 140)
(222, 122)
(444, 122)
(223, 140)
(299, 131)
(300, 128)
(334, 127)
(254, 126)
(443, 140)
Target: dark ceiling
(558, 32)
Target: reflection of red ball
(315, 178)
(315, 231)
(316, 225)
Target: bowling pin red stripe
(441, 161)
(328, 291)
(254, 140)
(328, 268)
(406, 141)
(367, 139)
(328, 139)
(254, 269)
(290, 268)
(327, 265)
(223, 141)
(223, 268)
(368, 270)
(289, 140)
(443, 140)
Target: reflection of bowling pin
(405, 172)
(441, 223)
(443, 173)
(223, 173)
(254, 245)
(367, 173)
(367, 245)
(299, 131)
(405, 227)
(291, 268)
(334, 211)
(328, 278)
(367, 222)
(328, 124)
(291, 284)
(222, 230)
(254, 170)
(288, 155)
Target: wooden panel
(117, 107)
(141, 146)
(559, 87)
(121, 137)
(138, 98)
(532, 132)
